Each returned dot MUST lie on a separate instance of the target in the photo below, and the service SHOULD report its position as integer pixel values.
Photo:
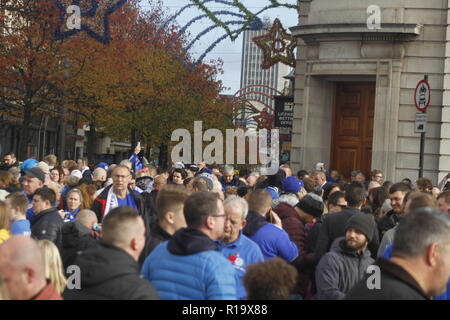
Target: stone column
(444, 146)
(299, 121)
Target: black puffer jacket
(150, 207)
(109, 273)
(340, 270)
(47, 226)
(159, 235)
(386, 223)
(75, 239)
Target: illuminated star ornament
(94, 18)
(277, 46)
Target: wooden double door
(352, 131)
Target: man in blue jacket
(189, 266)
(236, 247)
(271, 238)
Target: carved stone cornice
(356, 31)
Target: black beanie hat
(311, 204)
(364, 223)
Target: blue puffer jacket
(189, 267)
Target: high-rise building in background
(253, 74)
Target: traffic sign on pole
(422, 95)
(421, 122)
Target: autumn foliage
(141, 86)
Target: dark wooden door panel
(352, 136)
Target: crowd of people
(200, 231)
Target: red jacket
(48, 293)
(292, 224)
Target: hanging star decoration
(277, 46)
(94, 18)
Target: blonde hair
(4, 295)
(80, 194)
(4, 216)
(53, 265)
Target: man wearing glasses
(377, 176)
(120, 194)
(188, 266)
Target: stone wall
(399, 66)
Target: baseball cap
(36, 173)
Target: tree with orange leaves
(30, 63)
(141, 86)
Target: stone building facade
(354, 105)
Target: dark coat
(234, 183)
(150, 206)
(109, 273)
(292, 224)
(339, 270)
(47, 226)
(395, 284)
(75, 239)
(306, 264)
(158, 236)
(333, 227)
(4, 167)
(387, 222)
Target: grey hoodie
(339, 270)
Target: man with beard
(9, 161)
(236, 247)
(345, 265)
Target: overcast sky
(230, 52)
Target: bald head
(22, 267)
(87, 218)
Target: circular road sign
(422, 96)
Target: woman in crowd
(5, 233)
(7, 184)
(329, 189)
(57, 176)
(88, 192)
(54, 272)
(178, 176)
(74, 203)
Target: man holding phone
(264, 228)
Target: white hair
(237, 203)
(228, 169)
(125, 162)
